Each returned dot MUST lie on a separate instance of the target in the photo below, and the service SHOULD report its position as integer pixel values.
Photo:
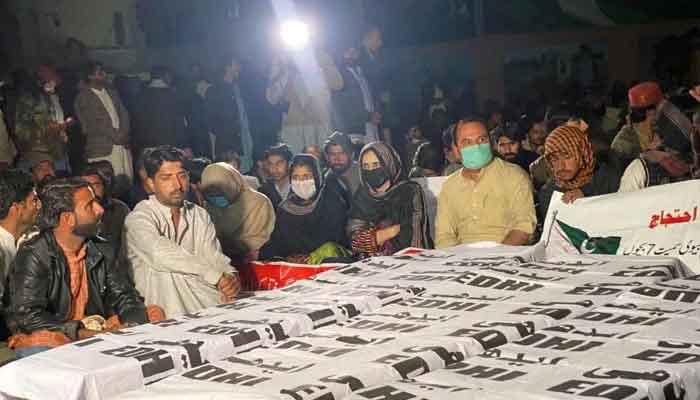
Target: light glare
(295, 34)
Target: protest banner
(658, 221)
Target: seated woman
(311, 222)
(244, 219)
(388, 212)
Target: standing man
(226, 112)
(41, 125)
(354, 107)
(173, 252)
(159, 116)
(488, 200)
(304, 80)
(19, 206)
(105, 124)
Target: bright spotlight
(295, 34)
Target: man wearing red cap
(662, 152)
(653, 123)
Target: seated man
(507, 145)
(19, 206)
(173, 252)
(101, 178)
(196, 167)
(277, 160)
(489, 200)
(453, 163)
(343, 173)
(653, 119)
(578, 172)
(668, 163)
(62, 285)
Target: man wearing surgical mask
(488, 200)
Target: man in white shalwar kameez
(173, 253)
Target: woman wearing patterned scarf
(388, 212)
(311, 222)
(577, 173)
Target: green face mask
(476, 156)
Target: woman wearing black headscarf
(311, 222)
(388, 212)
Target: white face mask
(304, 189)
(50, 87)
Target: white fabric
(284, 190)
(175, 269)
(8, 250)
(56, 109)
(106, 100)
(464, 323)
(634, 178)
(121, 160)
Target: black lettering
(556, 313)
(571, 387)
(612, 392)
(159, 361)
(386, 393)
(482, 372)
(683, 296)
(354, 383)
(245, 337)
(305, 391)
(490, 338)
(88, 342)
(412, 367)
(647, 291)
(235, 378)
(594, 316)
(204, 373)
(651, 355)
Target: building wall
(47, 24)
(627, 60)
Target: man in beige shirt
(489, 200)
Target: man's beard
(510, 156)
(87, 230)
(340, 169)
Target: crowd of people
(93, 240)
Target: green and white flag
(582, 242)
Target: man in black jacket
(159, 115)
(354, 107)
(64, 284)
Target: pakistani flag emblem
(586, 244)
